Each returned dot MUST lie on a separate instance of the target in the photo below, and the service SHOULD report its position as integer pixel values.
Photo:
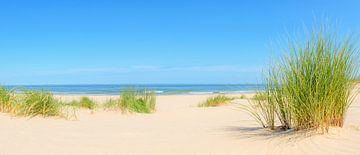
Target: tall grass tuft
(311, 87)
(33, 103)
(216, 101)
(7, 100)
(39, 103)
(132, 100)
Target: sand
(178, 127)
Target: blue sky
(116, 42)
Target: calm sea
(158, 88)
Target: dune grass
(261, 110)
(112, 104)
(357, 80)
(242, 97)
(7, 100)
(311, 87)
(259, 96)
(85, 102)
(132, 100)
(216, 101)
(32, 103)
(39, 103)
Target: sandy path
(178, 127)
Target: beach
(178, 126)
(179, 77)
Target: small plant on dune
(7, 100)
(85, 102)
(311, 87)
(132, 100)
(39, 103)
(138, 101)
(216, 101)
(242, 97)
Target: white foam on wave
(236, 92)
(159, 92)
(200, 93)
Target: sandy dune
(178, 127)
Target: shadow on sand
(260, 133)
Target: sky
(152, 42)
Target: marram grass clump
(7, 100)
(310, 88)
(216, 101)
(40, 103)
(138, 101)
(33, 103)
(134, 101)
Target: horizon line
(132, 84)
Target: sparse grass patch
(216, 101)
(242, 96)
(132, 100)
(138, 101)
(112, 104)
(85, 102)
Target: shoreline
(159, 89)
(103, 98)
(232, 94)
(157, 94)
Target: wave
(159, 91)
(236, 92)
(201, 93)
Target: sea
(160, 89)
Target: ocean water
(158, 88)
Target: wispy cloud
(145, 68)
(218, 68)
(79, 71)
